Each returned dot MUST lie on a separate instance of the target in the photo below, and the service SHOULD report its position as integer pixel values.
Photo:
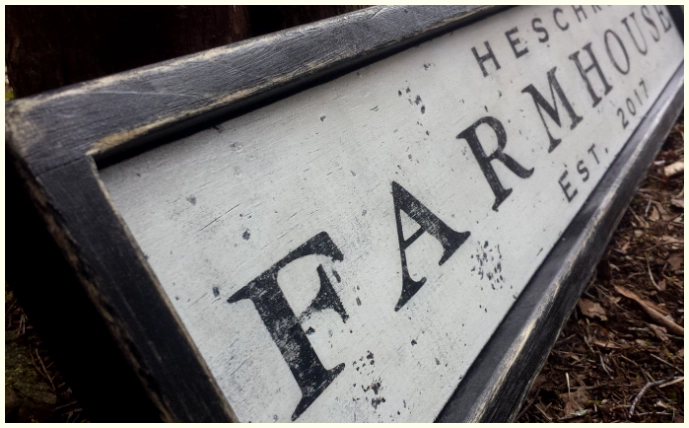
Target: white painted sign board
(345, 253)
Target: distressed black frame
(90, 280)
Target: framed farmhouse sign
(385, 216)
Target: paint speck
(408, 90)
(374, 108)
(310, 331)
(363, 213)
(176, 297)
(192, 200)
(399, 93)
(423, 109)
(353, 173)
(413, 342)
(275, 418)
(428, 133)
(322, 118)
(216, 292)
(246, 235)
(358, 301)
(437, 362)
(417, 101)
(485, 107)
(377, 401)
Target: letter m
(551, 109)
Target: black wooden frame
(139, 358)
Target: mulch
(621, 355)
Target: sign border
(56, 142)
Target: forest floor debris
(621, 355)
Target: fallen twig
(577, 414)
(650, 275)
(666, 363)
(643, 391)
(652, 310)
(672, 382)
(602, 363)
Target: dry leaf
(680, 353)
(608, 345)
(632, 295)
(654, 215)
(678, 203)
(667, 239)
(662, 285)
(660, 332)
(657, 313)
(575, 401)
(592, 309)
(540, 380)
(676, 261)
(674, 168)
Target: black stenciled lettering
(631, 34)
(581, 169)
(625, 122)
(566, 186)
(596, 8)
(663, 19)
(593, 152)
(540, 29)
(285, 327)
(429, 222)
(578, 10)
(584, 73)
(515, 42)
(647, 17)
(481, 59)
(551, 110)
(557, 11)
(484, 161)
(611, 56)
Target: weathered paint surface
(344, 254)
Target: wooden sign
(346, 252)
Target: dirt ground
(621, 355)
(619, 358)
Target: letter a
(449, 239)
